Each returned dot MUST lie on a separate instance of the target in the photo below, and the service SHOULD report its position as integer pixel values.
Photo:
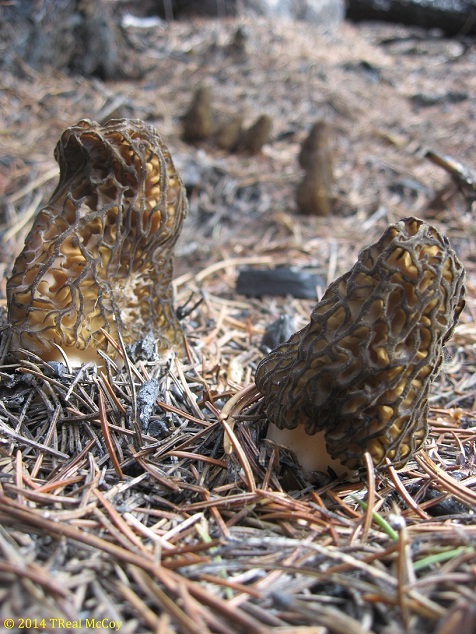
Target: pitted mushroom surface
(99, 254)
(361, 370)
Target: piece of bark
(277, 333)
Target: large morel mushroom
(99, 255)
(361, 370)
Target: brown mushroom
(99, 254)
(257, 135)
(228, 136)
(314, 194)
(197, 123)
(360, 372)
(317, 142)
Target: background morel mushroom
(361, 370)
(197, 123)
(99, 255)
(257, 135)
(228, 135)
(314, 194)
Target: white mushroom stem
(72, 357)
(310, 450)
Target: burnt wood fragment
(278, 282)
(451, 16)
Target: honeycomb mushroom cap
(99, 254)
(362, 368)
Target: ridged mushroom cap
(361, 370)
(99, 254)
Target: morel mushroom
(228, 136)
(197, 123)
(318, 141)
(314, 194)
(360, 372)
(257, 135)
(99, 255)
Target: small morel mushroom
(228, 136)
(360, 372)
(99, 255)
(253, 139)
(197, 123)
(316, 142)
(238, 44)
(314, 193)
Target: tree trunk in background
(79, 36)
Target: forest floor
(171, 534)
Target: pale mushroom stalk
(356, 379)
(310, 450)
(99, 256)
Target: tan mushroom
(314, 194)
(228, 136)
(99, 255)
(197, 123)
(356, 379)
(257, 135)
(318, 141)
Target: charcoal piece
(278, 282)
(448, 506)
(143, 350)
(56, 369)
(146, 398)
(157, 428)
(451, 16)
(15, 389)
(276, 333)
(467, 422)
